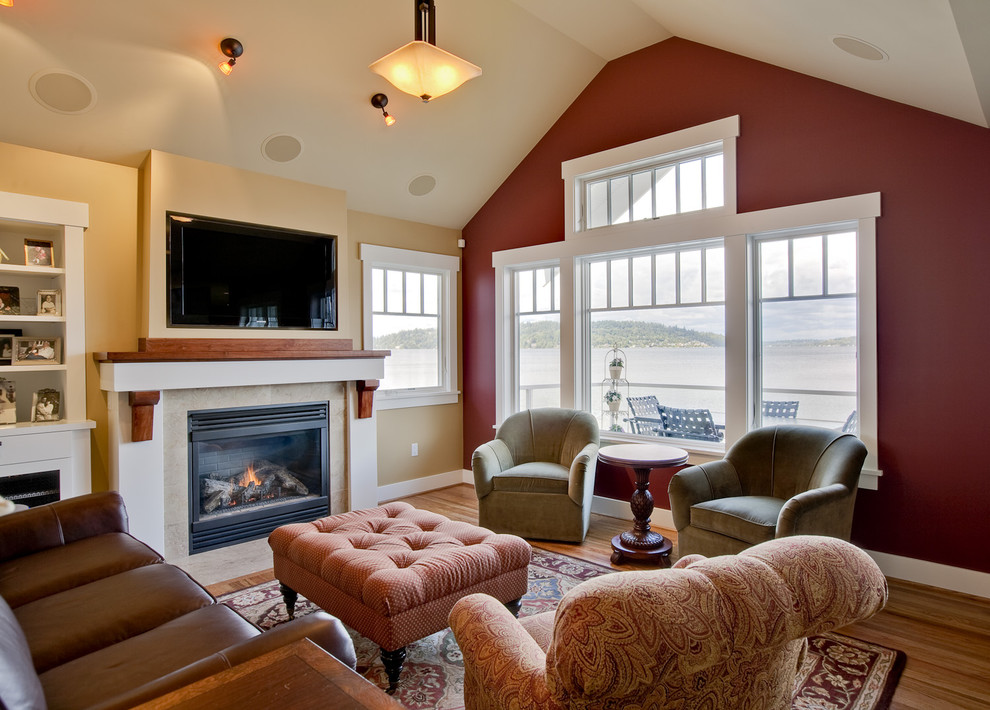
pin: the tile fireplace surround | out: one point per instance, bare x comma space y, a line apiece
150, 393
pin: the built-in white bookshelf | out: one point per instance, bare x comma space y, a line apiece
35, 441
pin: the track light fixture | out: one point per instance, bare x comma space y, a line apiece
231, 49
381, 101
421, 68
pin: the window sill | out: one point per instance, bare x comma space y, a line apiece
403, 400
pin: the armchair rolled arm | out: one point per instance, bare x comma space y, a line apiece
697, 484
487, 460
504, 667
820, 511
581, 477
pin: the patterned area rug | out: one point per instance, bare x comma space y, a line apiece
839, 673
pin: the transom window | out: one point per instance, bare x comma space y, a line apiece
670, 185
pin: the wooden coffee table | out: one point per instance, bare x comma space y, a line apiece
300, 675
642, 543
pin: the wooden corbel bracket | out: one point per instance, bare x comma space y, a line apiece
143, 414
366, 397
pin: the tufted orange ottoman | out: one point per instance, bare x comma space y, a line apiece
393, 573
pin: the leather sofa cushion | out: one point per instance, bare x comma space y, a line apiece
20, 688
535, 477
752, 519
29, 578
85, 619
145, 658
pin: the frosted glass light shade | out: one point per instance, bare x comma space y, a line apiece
424, 70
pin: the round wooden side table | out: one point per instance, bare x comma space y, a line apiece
642, 543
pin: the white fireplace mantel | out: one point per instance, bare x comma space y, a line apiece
137, 468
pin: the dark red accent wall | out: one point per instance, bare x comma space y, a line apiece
803, 140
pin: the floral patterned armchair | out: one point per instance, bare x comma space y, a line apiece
721, 632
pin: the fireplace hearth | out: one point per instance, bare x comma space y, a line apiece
252, 469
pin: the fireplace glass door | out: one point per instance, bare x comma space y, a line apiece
255, 468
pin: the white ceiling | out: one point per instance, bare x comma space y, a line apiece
304, 73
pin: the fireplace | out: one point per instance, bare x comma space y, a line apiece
252, 469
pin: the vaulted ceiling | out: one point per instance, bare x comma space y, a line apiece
130, 76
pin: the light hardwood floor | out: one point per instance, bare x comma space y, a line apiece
945, 635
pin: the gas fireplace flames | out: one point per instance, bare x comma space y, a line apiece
261, 481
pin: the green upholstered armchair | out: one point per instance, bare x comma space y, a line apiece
773, 482
537, 477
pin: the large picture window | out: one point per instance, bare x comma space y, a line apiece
665, 309
726, 321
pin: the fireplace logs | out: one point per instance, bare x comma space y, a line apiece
263, 480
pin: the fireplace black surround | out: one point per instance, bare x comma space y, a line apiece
252, 469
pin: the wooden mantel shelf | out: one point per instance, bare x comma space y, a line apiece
220, 349
174, 350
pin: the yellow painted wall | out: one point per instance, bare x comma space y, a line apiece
126, 239
110, 247
175, 183
436, 429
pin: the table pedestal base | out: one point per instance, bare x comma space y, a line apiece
659, 554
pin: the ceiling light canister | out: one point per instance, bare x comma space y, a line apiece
421, 68
381, 101
231, 49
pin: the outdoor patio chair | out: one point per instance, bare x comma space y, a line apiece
695, 424
780, 410
646, 418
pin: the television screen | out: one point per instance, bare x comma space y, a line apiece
224, 274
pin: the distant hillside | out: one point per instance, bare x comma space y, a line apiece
622, 334
606, 334
546, 334
418, 339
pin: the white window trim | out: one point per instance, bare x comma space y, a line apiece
573, 171
862, 209
447, 266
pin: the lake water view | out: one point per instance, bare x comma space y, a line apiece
664, 372
672, 374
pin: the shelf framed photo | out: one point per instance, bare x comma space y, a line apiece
46, 405
50, 302
8, 402
10, 301
39, 252
37, 351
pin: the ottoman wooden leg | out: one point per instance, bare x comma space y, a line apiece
514, 606
393, 661
290, 596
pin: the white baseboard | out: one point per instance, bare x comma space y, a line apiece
932, 574
420, 485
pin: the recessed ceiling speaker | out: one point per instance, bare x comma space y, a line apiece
859, 48
62, 92
422, 185
281, 148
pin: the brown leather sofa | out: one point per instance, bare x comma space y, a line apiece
91, 617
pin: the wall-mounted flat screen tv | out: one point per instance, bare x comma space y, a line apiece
224, 274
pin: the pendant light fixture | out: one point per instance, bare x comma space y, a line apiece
421, 68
